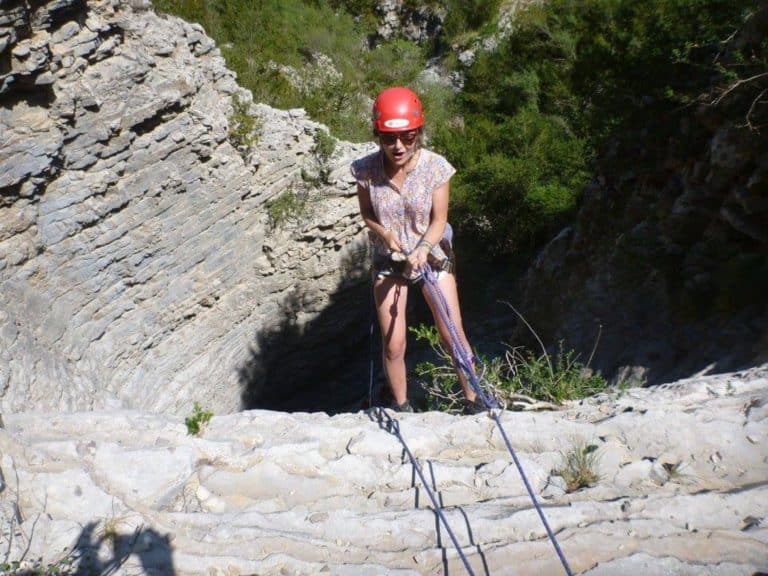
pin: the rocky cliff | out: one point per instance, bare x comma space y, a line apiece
680, 489
665, 270
139, 264
153, 253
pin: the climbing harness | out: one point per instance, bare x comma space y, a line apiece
464, 361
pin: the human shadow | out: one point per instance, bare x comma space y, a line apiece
102, 550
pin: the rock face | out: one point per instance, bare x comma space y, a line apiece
418, 23
139, 265
681, 489
666, 269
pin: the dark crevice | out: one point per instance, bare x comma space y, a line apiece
25, 90
5, 61
319, 366
22, 31
9, 194
52, 20
105, 35
162, 116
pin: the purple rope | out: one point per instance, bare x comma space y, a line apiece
394, 427
463, 359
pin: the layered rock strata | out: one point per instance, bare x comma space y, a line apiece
681, 489
139, 263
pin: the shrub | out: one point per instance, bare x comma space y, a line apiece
242, 126
521, 165
197, 421
520, 378
289, 206
579, 467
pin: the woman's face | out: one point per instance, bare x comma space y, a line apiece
399, 147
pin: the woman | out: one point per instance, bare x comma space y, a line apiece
403, 193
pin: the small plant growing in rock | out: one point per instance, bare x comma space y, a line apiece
679, 472
197, 421
325, 146
65, 566
579, 467
289, 206
242, 126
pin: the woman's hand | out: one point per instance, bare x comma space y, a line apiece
417, 259
391, 241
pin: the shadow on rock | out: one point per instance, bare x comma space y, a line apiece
324, 364
101, 550
319, 364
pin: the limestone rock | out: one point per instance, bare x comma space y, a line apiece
138, 265
272, 493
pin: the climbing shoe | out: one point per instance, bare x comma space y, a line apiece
476, 406
404, 407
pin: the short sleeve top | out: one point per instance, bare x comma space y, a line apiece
406, 212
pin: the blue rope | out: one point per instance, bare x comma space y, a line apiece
393, 426
464, 359
370, 341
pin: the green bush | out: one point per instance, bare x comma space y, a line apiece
242, 126
465, 17
521, 164
197, 420
518, 375
287, 207
552, 377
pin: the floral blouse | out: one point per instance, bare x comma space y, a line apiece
405, 213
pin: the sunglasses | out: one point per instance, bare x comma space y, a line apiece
406, 138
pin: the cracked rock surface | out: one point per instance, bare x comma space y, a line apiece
682, 488
137, 254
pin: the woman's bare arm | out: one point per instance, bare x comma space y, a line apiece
369, 217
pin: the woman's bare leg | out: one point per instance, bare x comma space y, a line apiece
391, 295
447, 285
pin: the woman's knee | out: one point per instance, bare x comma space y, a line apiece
395, 349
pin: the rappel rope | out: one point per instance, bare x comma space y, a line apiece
464, 359
393, 426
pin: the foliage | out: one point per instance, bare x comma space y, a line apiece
575, 81
197, 421
554, 378
242, 126
579, 467
521, 165
465, 19
62, 567
655, 60
279, 47
519, 374
572, 82
325, 145
287, 207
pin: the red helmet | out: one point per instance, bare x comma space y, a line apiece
397, 109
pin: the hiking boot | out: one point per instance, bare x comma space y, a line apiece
404, 407
472, 407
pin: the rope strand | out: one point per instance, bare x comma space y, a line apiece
393, 426
463, 359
